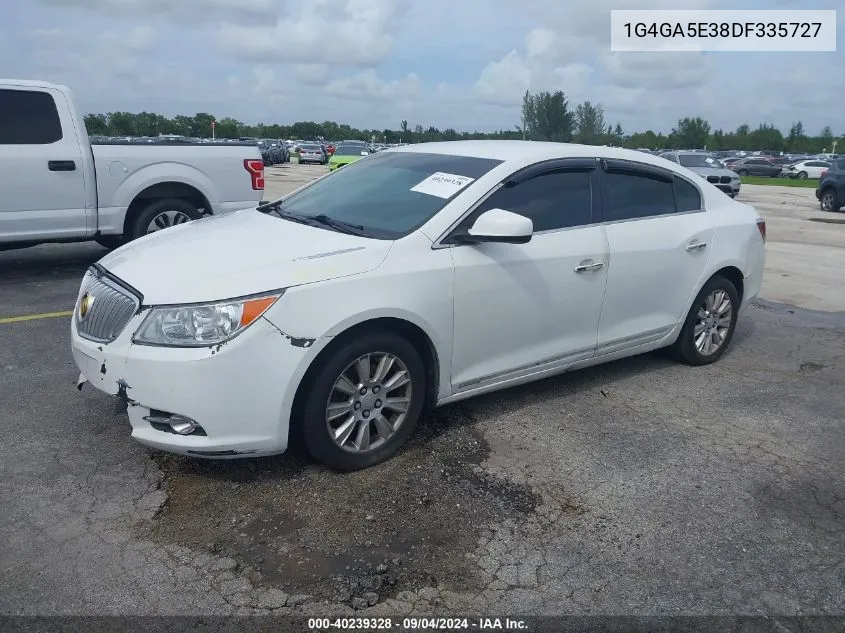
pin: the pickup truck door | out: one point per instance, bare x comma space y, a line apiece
42, 171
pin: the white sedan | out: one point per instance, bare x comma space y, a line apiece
415, 277
806, 169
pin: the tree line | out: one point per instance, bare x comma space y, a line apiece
545, 116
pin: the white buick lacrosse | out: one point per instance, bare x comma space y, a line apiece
416, 277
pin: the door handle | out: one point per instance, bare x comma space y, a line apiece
61, 165
696, 246
587, 267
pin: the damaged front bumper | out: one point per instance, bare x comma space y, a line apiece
240, 392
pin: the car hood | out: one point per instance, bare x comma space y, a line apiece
238, 254
712, 171
344, 158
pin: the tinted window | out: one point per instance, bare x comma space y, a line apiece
350, 150
698, 160
687, 197
28, 118
552, 201
378, 193
634, 194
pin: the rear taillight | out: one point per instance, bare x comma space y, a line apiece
761, 226
824, 173
256, 172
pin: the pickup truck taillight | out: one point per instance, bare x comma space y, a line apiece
761, 226
824, 174
256, 172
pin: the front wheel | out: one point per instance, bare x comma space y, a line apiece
743, 172
802, 175
364, 401
710, 324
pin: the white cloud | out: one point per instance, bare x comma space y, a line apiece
343, 32
375, 62
367, 86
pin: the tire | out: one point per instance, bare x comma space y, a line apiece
685, 348
742, 172
802, 175
829, 201
314, 424
110, 241
184, 212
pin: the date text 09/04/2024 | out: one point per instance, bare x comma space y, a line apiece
412, 624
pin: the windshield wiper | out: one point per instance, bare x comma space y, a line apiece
339, 225
312, 220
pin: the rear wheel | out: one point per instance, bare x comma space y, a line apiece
710, 324
364, 401
162, 214
829, 200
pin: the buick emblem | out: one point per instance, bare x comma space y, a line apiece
85, 305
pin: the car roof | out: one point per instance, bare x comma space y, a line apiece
528, 151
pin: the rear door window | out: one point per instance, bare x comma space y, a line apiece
28, 117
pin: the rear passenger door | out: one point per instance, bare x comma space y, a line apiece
41, 168
659, 239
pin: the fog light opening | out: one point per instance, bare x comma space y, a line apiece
182, 425
173, 423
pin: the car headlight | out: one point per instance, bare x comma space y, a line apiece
201, 324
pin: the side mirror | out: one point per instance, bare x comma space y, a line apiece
498, 225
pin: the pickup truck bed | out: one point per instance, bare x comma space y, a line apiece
58, 187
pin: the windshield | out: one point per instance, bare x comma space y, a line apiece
350, 150
698, 160
378, 193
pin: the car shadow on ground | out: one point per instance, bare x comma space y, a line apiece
48, 262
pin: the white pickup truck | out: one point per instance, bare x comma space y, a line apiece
56, 187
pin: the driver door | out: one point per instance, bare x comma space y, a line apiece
523, 308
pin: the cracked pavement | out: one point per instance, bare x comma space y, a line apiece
638, 487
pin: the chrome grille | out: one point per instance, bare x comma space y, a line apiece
109, 312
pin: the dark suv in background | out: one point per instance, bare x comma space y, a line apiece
831, 189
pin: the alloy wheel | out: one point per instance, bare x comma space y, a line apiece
368, 402
827, 201
713, 322
166, 219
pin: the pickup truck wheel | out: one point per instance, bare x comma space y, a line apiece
162, 214
829, 200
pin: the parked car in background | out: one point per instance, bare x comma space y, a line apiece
708, 167
58, 187
831, 190
755, 166
276, 150
806, 169
583, 254
330, 147
347, 153
313, 153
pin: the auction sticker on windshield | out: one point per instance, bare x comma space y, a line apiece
442, 185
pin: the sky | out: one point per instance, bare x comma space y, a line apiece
461, 64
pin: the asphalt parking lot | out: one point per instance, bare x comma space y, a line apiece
638, 487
